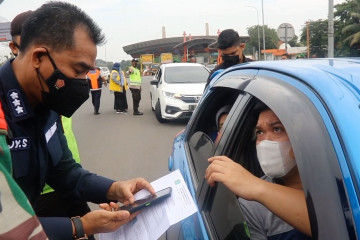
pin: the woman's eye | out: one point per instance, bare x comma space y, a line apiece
277, 129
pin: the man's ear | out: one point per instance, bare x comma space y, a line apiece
37, 56
13, 48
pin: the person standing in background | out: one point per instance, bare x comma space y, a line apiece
232, 52
135, 85
15, 31
118, 84
95, 83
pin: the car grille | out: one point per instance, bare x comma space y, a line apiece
191, 99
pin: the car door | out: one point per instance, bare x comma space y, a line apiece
310, 132
155, 88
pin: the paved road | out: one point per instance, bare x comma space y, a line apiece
124, 146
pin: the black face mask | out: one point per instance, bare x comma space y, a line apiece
65, 94
230, 60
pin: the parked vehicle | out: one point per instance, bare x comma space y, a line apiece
318, 103
211, 66
105, 73
176, 90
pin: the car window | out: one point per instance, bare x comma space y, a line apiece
205, 122
186, 74
158, 74
220, 205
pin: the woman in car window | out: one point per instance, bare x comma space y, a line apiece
274, 206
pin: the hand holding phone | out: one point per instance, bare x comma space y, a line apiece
148, 201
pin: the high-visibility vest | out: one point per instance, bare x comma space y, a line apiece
94, 75
113, 86
135, 76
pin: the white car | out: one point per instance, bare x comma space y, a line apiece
105, 73
176, 90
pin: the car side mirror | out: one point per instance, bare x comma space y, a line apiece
154, 82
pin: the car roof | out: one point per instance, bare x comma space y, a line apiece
182, 65
320, 74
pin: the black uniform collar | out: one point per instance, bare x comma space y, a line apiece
14, 97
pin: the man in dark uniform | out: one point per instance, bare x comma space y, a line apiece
231, 49
48, 78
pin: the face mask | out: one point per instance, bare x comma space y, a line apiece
274, 158
231, 60
65, 94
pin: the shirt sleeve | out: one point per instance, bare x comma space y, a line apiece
252, 212
57, 227
70, 179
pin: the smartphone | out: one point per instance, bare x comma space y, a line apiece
148, 200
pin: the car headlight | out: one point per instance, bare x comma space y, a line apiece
172, 95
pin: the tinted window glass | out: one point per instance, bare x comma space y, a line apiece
205, 121
186, 74
226, 216
223, 209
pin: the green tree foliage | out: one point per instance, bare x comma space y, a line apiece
271, 39
346, 32
318, 37
348, 15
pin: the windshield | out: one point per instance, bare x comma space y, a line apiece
186, 74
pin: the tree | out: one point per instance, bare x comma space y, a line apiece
318, 37
348, 14
346, 35
271, 39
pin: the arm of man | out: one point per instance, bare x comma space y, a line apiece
103, 80
287, 203
98, 221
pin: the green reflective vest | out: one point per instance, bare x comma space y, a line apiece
135, 76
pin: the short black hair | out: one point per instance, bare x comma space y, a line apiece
17, 22
54, 23
228, 38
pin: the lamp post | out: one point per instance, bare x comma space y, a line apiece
258, 29
263, 30
331, 29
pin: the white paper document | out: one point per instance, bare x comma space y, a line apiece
153, 221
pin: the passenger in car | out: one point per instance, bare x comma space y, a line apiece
220, 119
274, 206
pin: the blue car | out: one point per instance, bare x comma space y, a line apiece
318, 102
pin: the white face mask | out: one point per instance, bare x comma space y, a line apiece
274, 158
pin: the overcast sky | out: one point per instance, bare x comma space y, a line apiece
126, 22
